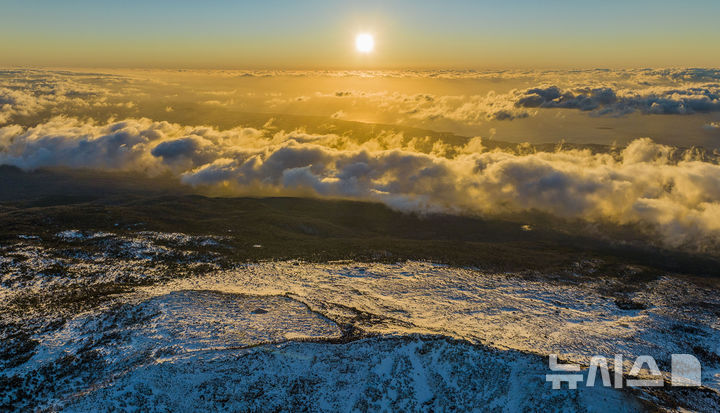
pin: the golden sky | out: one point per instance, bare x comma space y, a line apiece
321, 34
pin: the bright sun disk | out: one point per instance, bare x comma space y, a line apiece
364, 43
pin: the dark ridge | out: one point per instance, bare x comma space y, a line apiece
45, 202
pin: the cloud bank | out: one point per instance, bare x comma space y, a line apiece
675, 194
607, 101
672, 193
489, 96
30, 92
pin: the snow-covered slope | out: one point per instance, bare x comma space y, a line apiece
180, 332
377, 374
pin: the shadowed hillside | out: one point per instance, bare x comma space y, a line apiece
45, 202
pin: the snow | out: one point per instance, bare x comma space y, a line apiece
28, 237
506, 311
335, 337
420, 374
70, 235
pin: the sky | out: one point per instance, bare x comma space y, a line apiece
320, 34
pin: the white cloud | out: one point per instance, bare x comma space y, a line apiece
607, 101
673, 192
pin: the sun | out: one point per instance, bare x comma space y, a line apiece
364, 43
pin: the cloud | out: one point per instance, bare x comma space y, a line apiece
586, 76
14, 102
29, 92
491, 95
606, 101
420, 107
599, 93
674, 193
671, 192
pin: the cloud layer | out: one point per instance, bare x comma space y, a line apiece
607, 101
489, 96
30, 92
675, 194
672, 193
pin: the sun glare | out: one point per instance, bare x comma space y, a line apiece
364, 43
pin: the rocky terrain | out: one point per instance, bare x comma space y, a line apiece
166, 321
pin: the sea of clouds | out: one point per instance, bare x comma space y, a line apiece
674, 193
